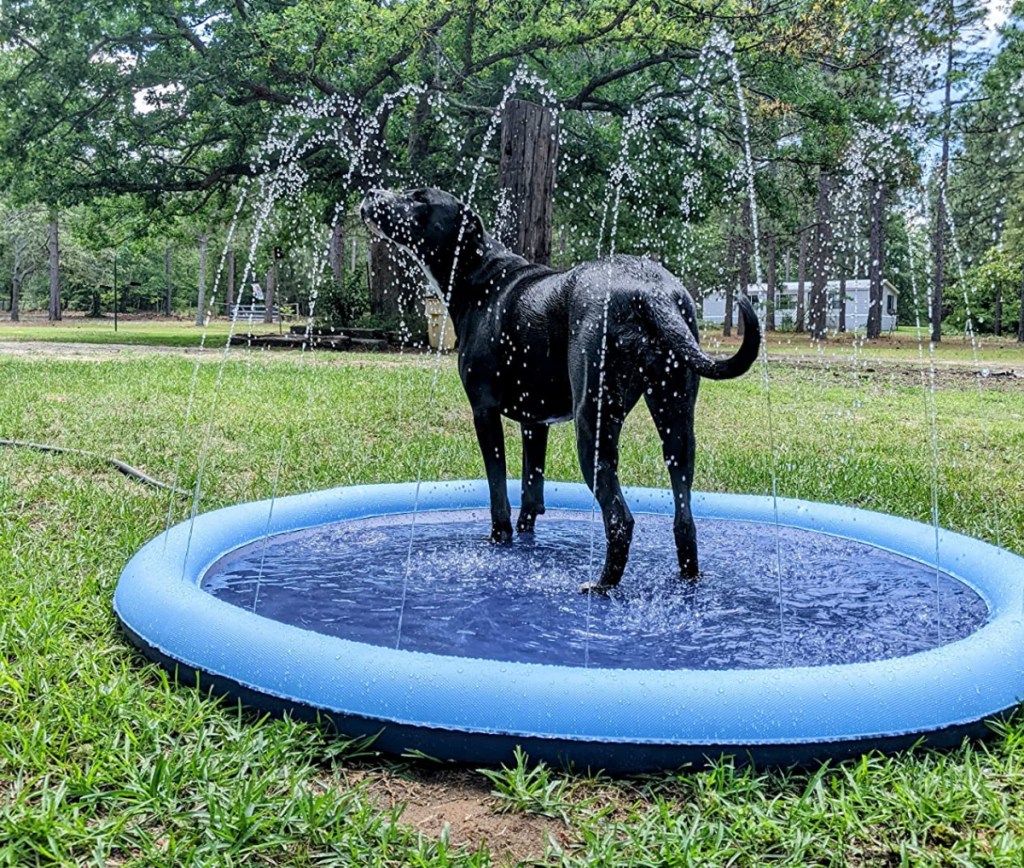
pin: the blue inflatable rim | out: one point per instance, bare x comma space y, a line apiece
477, 710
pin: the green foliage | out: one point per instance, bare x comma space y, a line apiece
994, 282
145, 121
528, 788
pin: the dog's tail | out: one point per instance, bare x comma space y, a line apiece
682, 340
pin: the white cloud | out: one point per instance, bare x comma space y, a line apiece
150, 98
996, 13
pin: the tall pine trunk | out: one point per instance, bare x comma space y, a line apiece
53, 244
842, 302
168, 284
939, 234
229, 287
201, 303
730, 284
801, 280
770, 275
336, 255
271, 291
1020, 318
876, 259
16, 280
822, 258
746, 253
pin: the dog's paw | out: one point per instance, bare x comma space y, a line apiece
501, 533
526, 522
689, 573
595, 588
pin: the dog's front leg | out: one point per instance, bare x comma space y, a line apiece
535, 447
491, 437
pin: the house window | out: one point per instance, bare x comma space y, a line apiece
890, 304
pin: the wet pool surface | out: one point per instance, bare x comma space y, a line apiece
453, 592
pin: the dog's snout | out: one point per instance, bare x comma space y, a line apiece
373, 198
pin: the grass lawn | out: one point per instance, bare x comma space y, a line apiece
105, 761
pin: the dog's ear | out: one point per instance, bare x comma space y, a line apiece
474, 227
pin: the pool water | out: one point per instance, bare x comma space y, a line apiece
440, 586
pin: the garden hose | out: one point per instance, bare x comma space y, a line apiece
126, 469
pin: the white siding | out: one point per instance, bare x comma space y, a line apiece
857, 302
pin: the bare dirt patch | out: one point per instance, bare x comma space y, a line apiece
911, 371
462, 801
902, 373
90, 352
211, 353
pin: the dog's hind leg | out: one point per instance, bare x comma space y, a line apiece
600, 465
535, 446
491, 437
673, 417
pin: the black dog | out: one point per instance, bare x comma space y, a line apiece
540, 347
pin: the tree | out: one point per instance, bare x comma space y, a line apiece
22, 231
300, 105
53, 246
822, 257
958, 20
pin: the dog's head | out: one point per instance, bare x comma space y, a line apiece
438, 230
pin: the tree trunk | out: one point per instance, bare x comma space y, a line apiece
876, 259
396, 286
822, 259
939, 270
730, 285
53, 245
770, 281
229, 290
168, 284
529, 152
801, 280
997, 314
746, 252
939, 236
201, 303
842, 302
336, 255
16, 280
271, 291
1020, 319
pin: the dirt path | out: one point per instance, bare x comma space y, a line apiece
911, 372
211, 353
94, 352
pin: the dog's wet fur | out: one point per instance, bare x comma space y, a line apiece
541, 346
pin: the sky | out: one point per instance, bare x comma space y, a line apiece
997, 13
